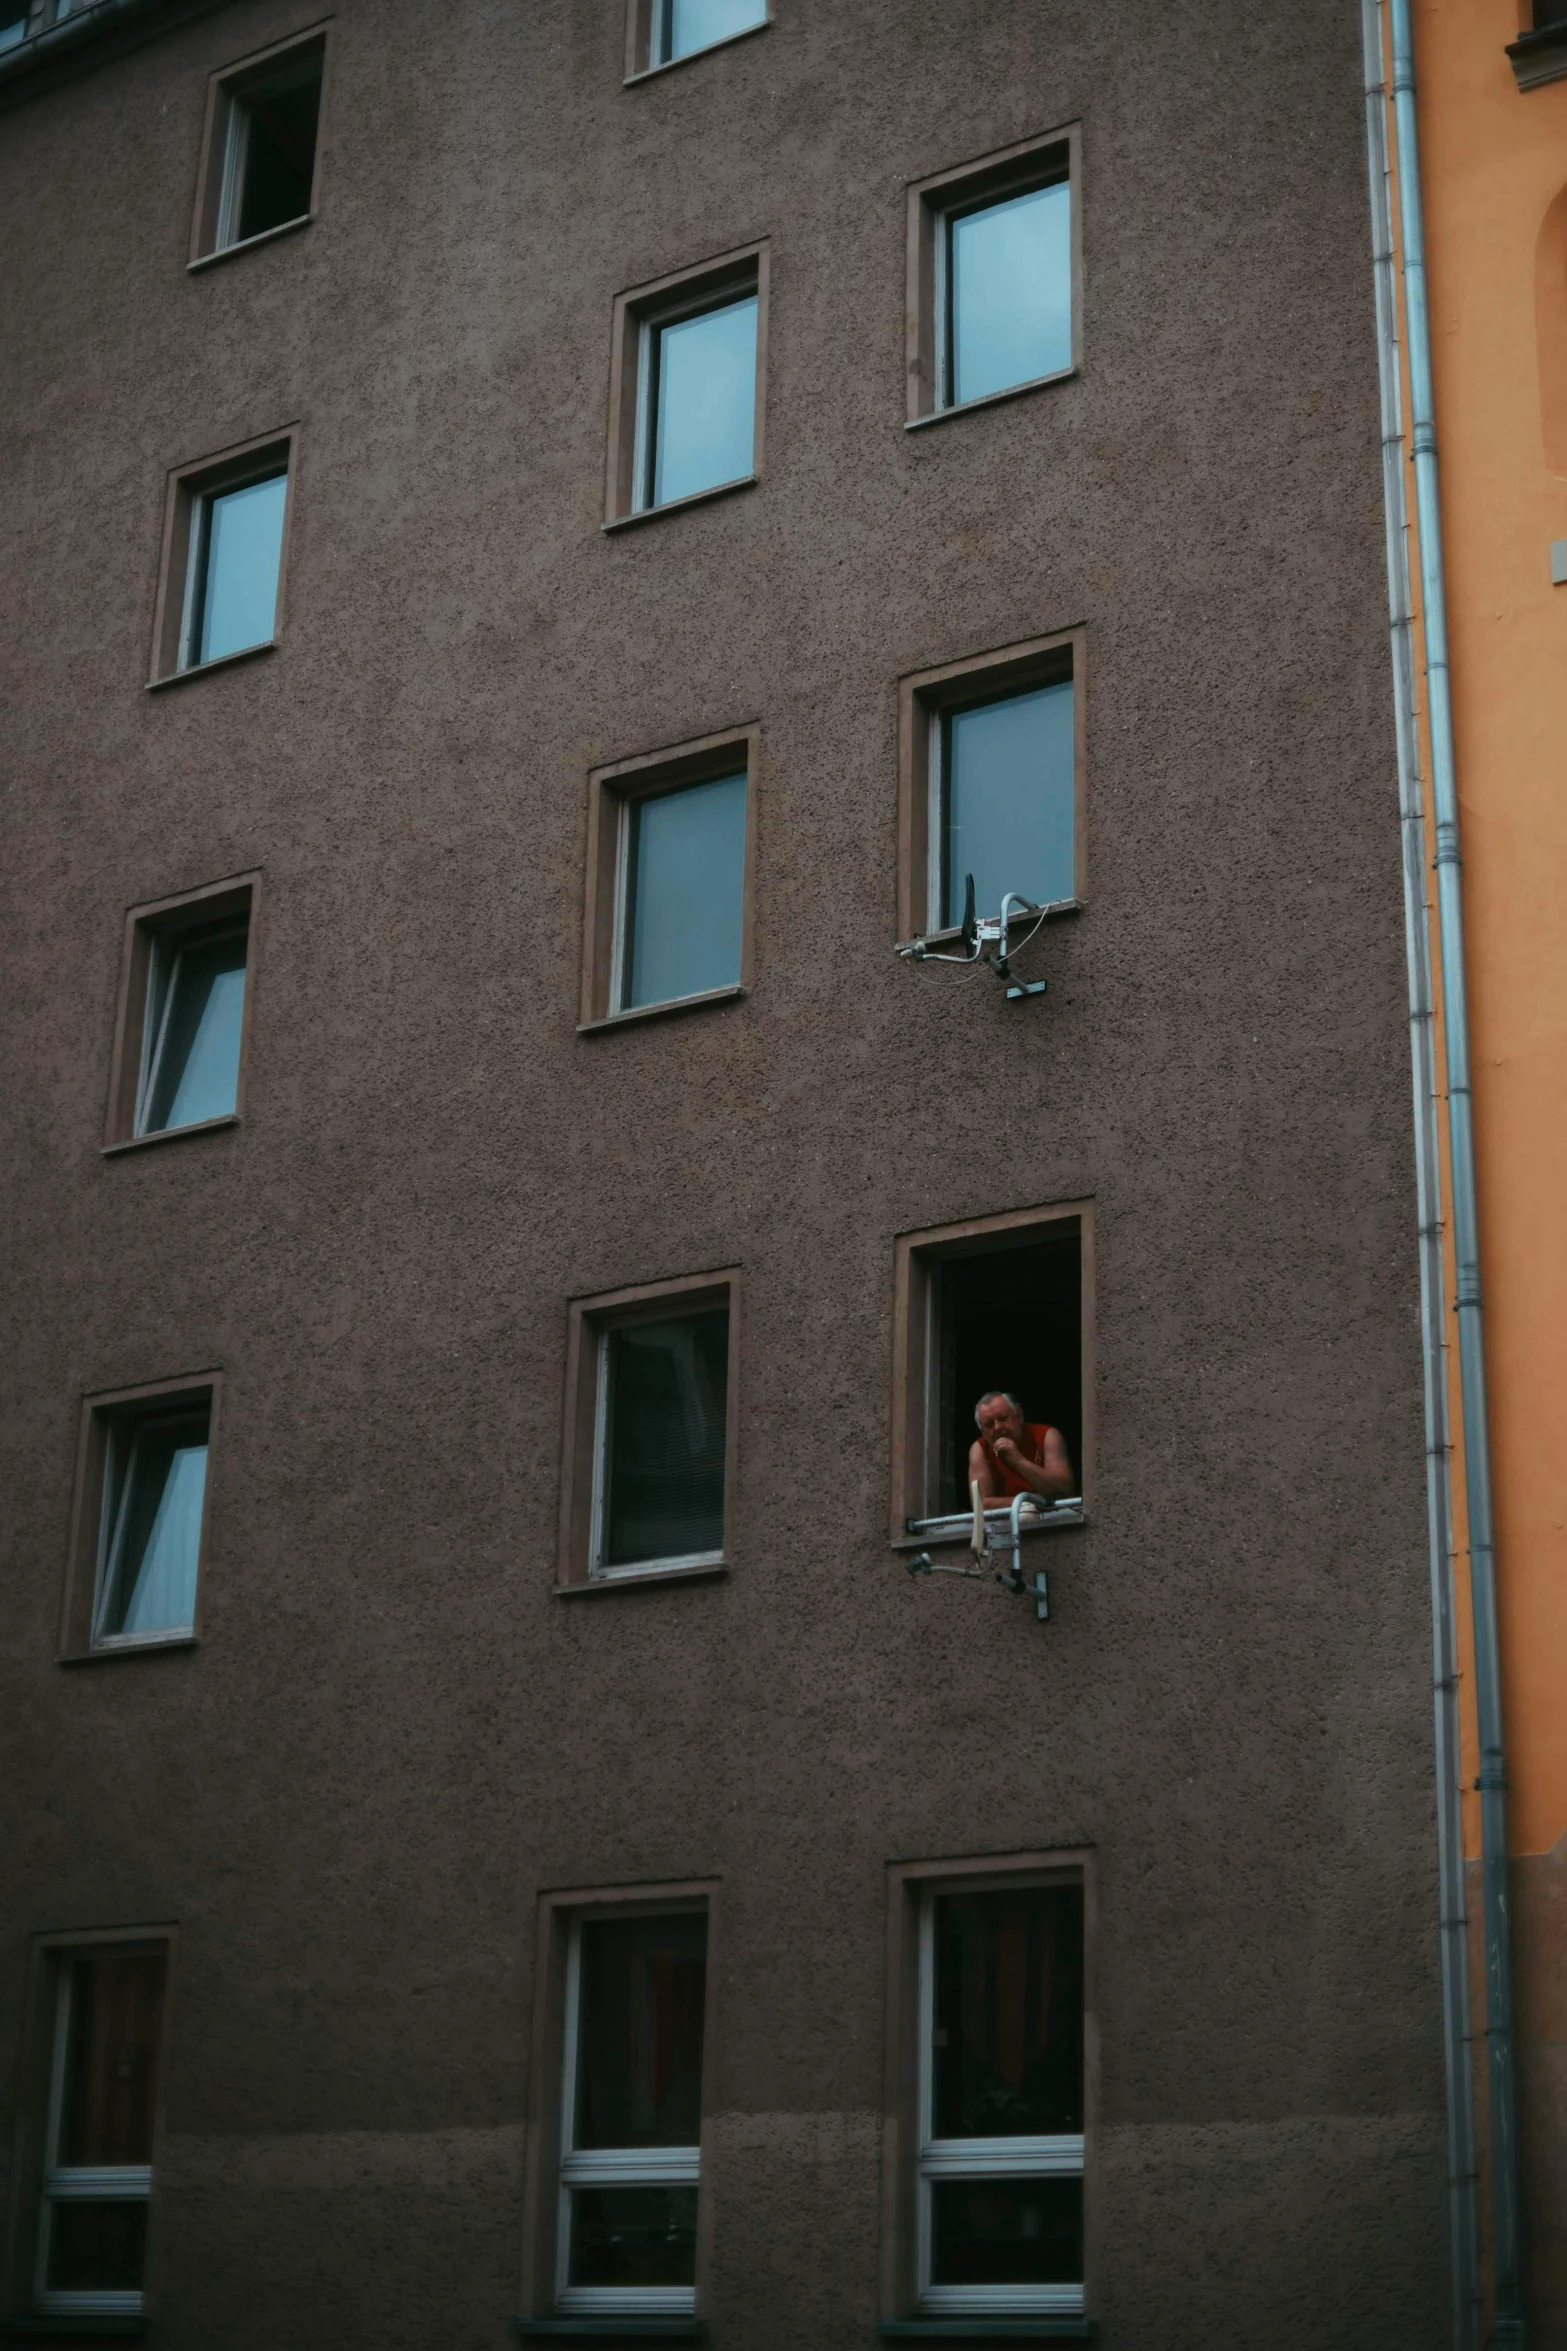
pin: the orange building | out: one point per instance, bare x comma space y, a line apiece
1468, 111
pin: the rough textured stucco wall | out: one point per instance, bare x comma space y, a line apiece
393, 1734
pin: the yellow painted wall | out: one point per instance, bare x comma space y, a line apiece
1495, 178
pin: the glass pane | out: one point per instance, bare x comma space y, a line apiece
696, 24
664, 1439
1010, 801
155, 1529
13, 27
633, 2237
706, 400
1006, 2232
244, 539
1008, 2059
1010, 282
113, 2013
96, 2248
280, 153
685, 869
639, 2032
197, 1066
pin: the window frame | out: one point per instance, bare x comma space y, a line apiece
559, 1912
149, 931
613, 793
49, 1956
191, 491
637, 316
615, 2166
226, 95
912, 1888
925, 698
641, 25
589, 1321
1047, 159
103, 1416
913, 1525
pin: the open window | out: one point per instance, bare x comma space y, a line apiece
999, 1305
220, 594
259, 170
139, 1523
180, 1037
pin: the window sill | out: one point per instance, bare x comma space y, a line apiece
711, 1571
636, 1012
204, 669
626, 522
1539, 57
917, 424
285, 228
200, 1126
1073, 2329
110, 1654
609, 2329
649, 73
921, 1532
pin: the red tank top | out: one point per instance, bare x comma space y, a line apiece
1032, 1447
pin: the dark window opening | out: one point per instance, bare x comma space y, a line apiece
1006, 1316
666, 1386
270, 162
1548, 13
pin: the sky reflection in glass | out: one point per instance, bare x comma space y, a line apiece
1010, 290
244, 540
684, 890
705, 400
1009, 801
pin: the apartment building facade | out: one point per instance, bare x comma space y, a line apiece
599, 593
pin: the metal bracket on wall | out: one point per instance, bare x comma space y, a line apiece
987, 939
986, 1544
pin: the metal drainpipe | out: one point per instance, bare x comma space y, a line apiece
1492, 1783
1453, 1944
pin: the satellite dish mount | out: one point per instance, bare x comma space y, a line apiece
989, 939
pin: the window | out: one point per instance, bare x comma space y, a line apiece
223, 558
182, 1014
13, 23
991, 2091
259, 168
991, 784
667, 918
999, 2218
686, 399
661, 32
106, 2028
140, 1518
993, 277
631, 2114
649, 1434
996, 1305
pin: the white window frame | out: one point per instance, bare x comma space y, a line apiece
104, 2183
649, 327
597, 1568
613, 2167
239, 104
1058, 2156
197, 561
122, 1440
163, 978
945, 369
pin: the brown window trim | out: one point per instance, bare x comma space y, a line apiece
76, 1645
744, 270
1538, 56
557, 1911
907, 1882
588, 1319
1029, 163
212, 899
222, 87
611, 790
914, 1255
45, 1952
922, 696
226, 469
639, 42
